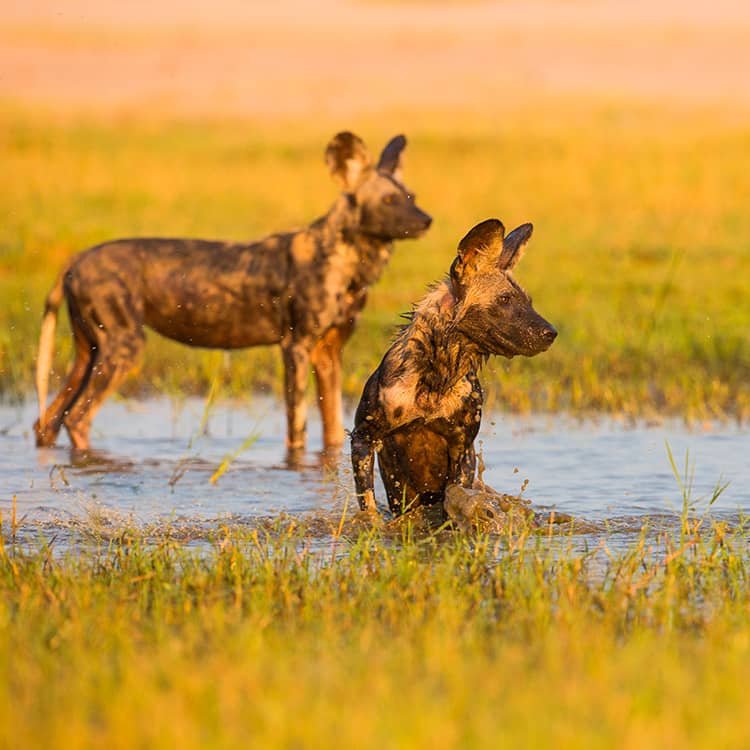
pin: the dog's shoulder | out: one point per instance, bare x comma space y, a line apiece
429, 322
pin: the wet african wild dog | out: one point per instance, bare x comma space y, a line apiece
421, 409
303, 290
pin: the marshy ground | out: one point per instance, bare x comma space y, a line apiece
180, 466
264, 608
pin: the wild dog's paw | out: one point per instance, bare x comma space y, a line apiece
484, 510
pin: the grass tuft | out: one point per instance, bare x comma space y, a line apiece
453, 641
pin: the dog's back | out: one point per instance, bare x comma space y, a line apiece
199, 292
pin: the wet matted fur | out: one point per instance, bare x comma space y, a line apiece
303, 290
421, 409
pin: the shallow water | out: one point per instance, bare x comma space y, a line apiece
154, 461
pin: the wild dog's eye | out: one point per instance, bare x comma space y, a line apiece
389, 200
504, 299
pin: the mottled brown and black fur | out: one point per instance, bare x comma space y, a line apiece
303, 290
421, 409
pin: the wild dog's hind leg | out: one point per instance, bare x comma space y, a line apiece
114, 319
111, 364
47, 429
326, 361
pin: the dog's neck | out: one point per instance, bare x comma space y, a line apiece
341, 225
451, 356
374, 254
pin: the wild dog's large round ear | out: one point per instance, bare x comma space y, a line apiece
514, 245
390, 159
347, 158
480, 248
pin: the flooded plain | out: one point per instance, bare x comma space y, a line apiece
162, 464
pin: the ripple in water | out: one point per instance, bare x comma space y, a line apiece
154, 461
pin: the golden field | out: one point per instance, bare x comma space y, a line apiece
639, 256
622, 131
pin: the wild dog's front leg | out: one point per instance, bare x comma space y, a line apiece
296, 356
326, 361
457, 451
363, 460
368, 430
467, 468
461, 430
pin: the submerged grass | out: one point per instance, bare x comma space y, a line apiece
257, 640
639, 256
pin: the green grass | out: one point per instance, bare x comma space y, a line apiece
409, 642
639, 256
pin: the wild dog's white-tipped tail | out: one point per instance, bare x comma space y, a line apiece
46, 344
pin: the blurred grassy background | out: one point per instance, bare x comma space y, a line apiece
620, 129
640, 254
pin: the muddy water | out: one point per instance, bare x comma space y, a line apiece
155, 460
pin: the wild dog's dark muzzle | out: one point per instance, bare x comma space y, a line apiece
419, 222
545, 336
424, 219
398, 218
549, 334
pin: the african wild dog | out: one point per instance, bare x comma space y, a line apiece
421, 409
303, 290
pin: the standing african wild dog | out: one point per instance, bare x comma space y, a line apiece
303, 290
421, 409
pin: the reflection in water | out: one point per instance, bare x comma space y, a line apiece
326, 459
93, 461
159, 465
